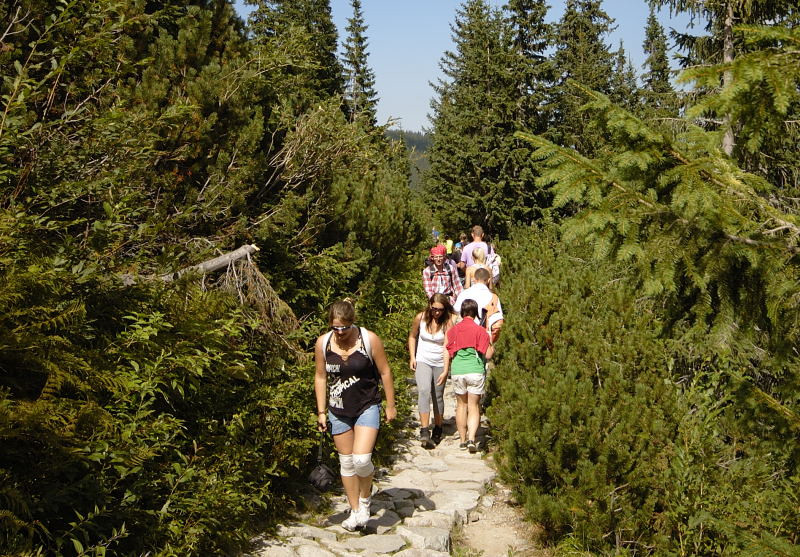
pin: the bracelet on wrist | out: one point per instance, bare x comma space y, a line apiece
322, 412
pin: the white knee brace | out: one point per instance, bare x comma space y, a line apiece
346, 465
363, 464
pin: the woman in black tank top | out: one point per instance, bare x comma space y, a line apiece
350, 362
352, 380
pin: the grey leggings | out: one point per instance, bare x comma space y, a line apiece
426, 377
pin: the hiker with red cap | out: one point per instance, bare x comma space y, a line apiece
441, 276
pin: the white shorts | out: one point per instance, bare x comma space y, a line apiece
472, 383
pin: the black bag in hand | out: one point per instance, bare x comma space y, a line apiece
321, 476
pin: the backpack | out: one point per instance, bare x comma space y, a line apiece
493, 261
447, 264
488, 311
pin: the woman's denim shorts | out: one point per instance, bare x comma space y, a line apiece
371, 417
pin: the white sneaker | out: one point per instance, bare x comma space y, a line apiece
362, 515
363, 510
352, 522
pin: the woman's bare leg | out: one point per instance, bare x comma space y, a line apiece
461, 416
344, 445
473, 415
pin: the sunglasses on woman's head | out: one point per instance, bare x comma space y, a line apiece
340, 329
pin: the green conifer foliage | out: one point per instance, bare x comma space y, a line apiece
678, 188
764, 103
700, 239
581, 405
307, 25
623, 87
136, 139
580, 55
658, 95
360, 95
474, 176
721, 45
622, 439
531, 39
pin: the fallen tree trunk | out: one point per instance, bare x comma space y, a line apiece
204, 268
213, 264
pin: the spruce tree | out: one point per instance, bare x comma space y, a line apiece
359, 93
581, 55
306, 27
531, 39
473, 177
623, 88
722, 42
658, 95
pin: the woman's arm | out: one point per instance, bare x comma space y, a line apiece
413, 334
320, 384
446, 369
468, 276
379, 356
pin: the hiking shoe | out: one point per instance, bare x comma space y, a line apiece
463, 446
354, 521
362, 514
425, 438
472, 447
365, 504
437, 434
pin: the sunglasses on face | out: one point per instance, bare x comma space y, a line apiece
340, 329
434, 308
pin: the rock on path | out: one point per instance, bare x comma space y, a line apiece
415, 506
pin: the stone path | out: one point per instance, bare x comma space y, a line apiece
415, 506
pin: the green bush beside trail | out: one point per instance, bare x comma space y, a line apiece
138, 139
624, 439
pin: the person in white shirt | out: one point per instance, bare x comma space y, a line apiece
490, 311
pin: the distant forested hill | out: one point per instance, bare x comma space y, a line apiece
417, 144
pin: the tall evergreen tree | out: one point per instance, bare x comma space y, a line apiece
306, 28
582, 55
473, 177
658, 95
722, 42
623, 87
531, 39
359, 93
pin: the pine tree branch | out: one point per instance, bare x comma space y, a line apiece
582, 162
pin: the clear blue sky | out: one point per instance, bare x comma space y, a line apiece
408, 37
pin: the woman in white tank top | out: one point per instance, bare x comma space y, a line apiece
426, 357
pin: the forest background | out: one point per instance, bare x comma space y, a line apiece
645, 397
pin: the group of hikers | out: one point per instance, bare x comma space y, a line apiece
453, 337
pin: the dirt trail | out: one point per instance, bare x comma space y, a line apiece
499, 531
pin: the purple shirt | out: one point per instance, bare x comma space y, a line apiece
466, 253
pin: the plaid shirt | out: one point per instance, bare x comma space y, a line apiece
444, 281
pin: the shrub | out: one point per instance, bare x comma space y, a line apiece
623, 438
